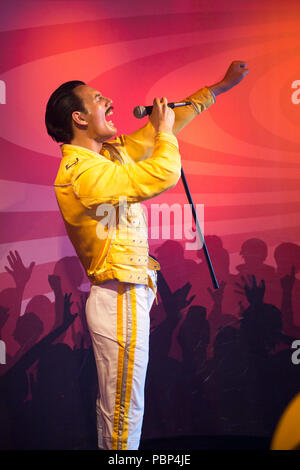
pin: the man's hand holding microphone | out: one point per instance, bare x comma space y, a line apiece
162, 117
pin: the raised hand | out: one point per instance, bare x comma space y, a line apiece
162, 117
68, 317
254, 293
18, 271
179, 297
217, 294
287, 282
235, 73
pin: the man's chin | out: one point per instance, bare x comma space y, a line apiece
108, 135
114, 133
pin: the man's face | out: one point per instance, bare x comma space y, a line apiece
99, 109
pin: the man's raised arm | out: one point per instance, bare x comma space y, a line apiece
139, 144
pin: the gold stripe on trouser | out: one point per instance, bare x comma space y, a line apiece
125, 364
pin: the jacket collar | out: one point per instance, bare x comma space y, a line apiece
68, 149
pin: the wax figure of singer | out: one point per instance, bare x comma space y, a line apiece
97, 174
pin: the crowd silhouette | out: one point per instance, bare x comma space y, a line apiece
219, 360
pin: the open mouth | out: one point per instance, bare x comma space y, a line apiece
109, 112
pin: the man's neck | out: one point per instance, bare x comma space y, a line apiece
88, 143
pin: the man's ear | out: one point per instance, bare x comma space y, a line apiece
79, 119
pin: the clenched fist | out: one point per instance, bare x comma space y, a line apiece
234, 75
162, 117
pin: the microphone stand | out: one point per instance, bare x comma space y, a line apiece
141, 111
208, 260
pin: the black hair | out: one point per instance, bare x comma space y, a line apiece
62, 103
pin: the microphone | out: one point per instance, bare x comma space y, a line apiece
142, 111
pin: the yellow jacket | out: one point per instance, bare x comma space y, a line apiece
88, 184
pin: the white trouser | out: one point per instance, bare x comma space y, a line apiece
119, 323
